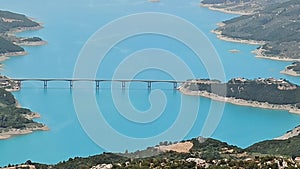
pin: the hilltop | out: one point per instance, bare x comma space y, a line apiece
204, 153
275, 26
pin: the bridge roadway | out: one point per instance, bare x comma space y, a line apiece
97, 81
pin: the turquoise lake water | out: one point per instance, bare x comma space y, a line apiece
69, 24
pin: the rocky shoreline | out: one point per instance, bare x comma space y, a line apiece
8, 133
240, 102
15, 132
281, 48
202, 88
225, 10
8, 54
236, 40
12, 34
20, 120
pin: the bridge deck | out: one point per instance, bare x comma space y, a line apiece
97, 81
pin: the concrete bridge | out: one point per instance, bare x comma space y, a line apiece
96, 81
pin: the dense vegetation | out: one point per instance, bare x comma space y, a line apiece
261, 90
288, 147
12, 117
277, 24
6, 98
33, 39
8, 47
11, 21
295, 67
210, 154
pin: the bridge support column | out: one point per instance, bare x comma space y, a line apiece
149, 85
97, 84
175, 85
123, 84
71, 84
45, 84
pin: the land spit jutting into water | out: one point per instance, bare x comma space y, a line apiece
263, 93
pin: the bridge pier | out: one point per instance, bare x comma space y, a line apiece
97, 84
149, 85
123, 84
71, 84
175, 85
45, 84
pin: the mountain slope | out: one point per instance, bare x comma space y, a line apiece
278, 25
9, 23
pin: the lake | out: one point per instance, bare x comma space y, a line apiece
69, 25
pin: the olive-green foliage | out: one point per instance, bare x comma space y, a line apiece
201, 147
12, 116
7, 46
211, 149
277, 24
288, 147
252, 90
6, 98
19, 20
15, 21
33, 39
295, 67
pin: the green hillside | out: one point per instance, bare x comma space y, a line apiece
10, 21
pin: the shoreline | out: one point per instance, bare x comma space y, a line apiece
236, 40
37, 43
239, 102
9, 54
15, 132
24, 29
33, 115
13, 32
259, 53
294, 132
224, 10
290, 72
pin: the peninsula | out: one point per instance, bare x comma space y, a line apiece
293, 69
274, 25
267, 93
10, 24
15, 120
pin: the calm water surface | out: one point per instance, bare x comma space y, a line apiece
68, 25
